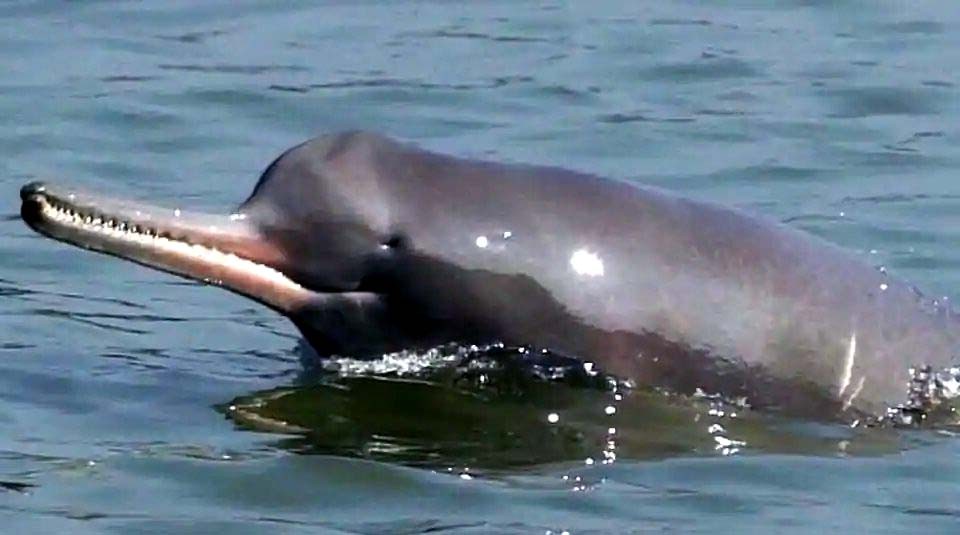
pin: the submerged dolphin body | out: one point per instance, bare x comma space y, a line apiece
369, 245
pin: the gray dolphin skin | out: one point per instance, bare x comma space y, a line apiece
370, 245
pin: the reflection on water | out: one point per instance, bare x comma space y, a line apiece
433, 410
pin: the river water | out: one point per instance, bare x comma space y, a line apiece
116, 382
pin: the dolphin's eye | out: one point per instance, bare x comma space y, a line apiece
395, 241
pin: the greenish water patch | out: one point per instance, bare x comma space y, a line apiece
441, 423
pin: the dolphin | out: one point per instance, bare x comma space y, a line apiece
371, 245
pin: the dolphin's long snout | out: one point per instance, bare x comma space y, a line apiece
218, 250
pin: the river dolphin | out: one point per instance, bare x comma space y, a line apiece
370, 245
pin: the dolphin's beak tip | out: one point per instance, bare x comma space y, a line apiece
31, 189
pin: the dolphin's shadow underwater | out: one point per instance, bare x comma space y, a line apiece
370, 246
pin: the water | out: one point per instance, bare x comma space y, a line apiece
838, 117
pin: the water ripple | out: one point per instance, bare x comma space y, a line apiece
639, 117
395, 83
117, 78
914, 27
464, 34
680, 22
16, 486
232, 69
703, 70
850, 103
193, 37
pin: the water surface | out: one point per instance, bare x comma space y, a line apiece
837, 117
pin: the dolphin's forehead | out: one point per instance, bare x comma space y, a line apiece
331, 179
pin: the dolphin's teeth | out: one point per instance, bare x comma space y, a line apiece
151, 238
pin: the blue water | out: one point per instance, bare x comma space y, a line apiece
840, 118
